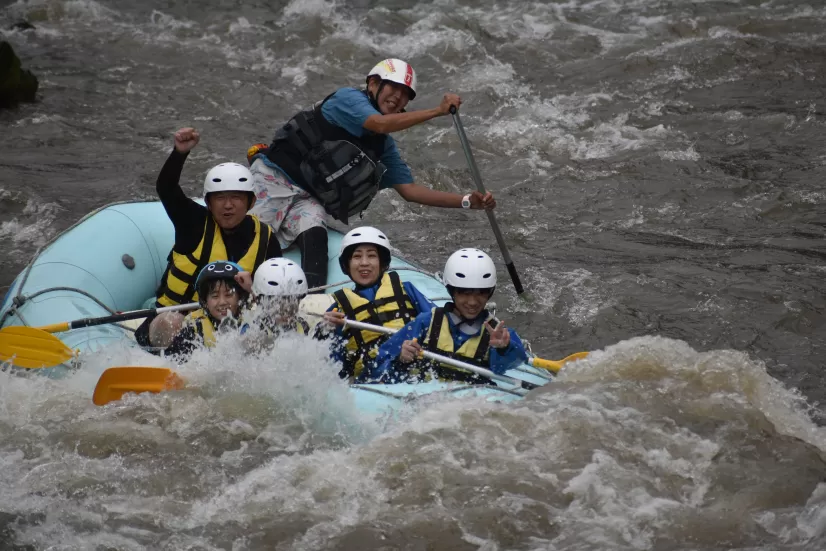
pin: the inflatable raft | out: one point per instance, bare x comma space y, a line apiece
112, 261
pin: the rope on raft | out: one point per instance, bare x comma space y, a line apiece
20, 299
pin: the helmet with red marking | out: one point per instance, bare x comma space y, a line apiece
395, 70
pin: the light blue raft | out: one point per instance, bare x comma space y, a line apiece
112, 261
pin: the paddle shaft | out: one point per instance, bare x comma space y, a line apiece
477, 178
135, 314
447, 360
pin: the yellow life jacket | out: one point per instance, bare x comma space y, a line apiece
297, 324
203, 326
178, 281
391, 308
475, 350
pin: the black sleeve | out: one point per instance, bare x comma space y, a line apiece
273, 247
186, 215
183, 344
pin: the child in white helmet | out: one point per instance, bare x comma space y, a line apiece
379, 298
462, 329
277, 289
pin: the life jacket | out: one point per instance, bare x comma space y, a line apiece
178, 281
338, 168
203, 326
475, 351
297, 324
391, 308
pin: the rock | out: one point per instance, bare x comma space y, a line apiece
21, 26
16, 84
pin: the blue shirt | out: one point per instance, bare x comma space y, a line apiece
420, 302
349, 108
386, 363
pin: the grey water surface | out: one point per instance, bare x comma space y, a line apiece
659, 169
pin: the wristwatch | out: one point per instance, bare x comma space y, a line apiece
466, 201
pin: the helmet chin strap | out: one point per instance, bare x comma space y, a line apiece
374, 100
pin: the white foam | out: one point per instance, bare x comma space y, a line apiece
321, 8
588, 293
34, 227
85, 10
689, 154
165, 21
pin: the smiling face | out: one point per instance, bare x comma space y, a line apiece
221, 300
470, 302
228, 208
365, 265
393, 97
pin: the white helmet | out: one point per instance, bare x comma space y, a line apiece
228, 177
470, 269
360, 236
396, 70
279, 277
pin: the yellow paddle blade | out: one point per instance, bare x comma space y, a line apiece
117, 381
574, 356
32, 348
555, 366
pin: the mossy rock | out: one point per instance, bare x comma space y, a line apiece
16, 84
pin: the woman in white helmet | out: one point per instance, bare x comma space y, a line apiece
335, 157
277, 289
462, 329
221, 230
379, 298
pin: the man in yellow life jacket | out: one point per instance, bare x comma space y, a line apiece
221, 298
221, 230
462, 329
379, 298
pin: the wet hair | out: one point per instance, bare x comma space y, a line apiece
213, 284
451, 290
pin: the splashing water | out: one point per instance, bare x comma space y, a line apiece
639, 446
658, 169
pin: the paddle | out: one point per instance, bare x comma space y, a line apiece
34, 347
447, 360
117, 381
555, 366
474, 171
114, 318
551, 365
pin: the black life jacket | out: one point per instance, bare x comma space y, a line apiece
339, 169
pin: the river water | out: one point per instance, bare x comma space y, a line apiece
659, 168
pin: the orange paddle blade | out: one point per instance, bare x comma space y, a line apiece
117, 381
32, 348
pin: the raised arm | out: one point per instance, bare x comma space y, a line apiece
186, 215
